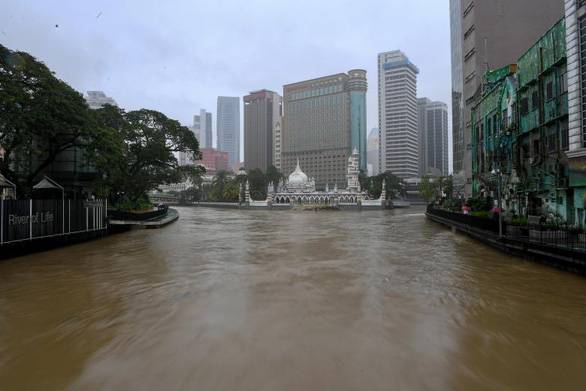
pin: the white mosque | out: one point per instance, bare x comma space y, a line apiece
299, 189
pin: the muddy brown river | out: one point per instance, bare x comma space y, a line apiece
258, 300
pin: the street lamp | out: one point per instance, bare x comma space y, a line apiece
498, 192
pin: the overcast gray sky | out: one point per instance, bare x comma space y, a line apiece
177, 56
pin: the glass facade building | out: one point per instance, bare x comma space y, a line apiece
324, 121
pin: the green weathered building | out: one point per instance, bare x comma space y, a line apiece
520, 129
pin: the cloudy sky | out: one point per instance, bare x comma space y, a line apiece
177, 56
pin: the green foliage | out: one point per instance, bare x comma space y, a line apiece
394, 185
40, 118
273, 176
482, 213
519, 221
138, 204
142, 154
364, 180
427, 189
431, 189
481, 204
258, 184
453, 204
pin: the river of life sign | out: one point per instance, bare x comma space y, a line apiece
37, 218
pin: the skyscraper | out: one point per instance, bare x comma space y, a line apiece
206, 128
262, 113
397, 111
488, 35
228, 127
184, 159
277, 143
324, 121
372, 151
433, 137
97, 100
202, 128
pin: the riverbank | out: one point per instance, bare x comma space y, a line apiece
249, 300
159, 220
562, 257
263, 205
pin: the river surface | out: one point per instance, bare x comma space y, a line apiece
259, 300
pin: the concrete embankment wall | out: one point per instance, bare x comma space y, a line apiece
566, 259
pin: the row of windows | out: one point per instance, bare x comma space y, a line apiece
316, 92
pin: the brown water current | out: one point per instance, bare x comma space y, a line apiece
259, 300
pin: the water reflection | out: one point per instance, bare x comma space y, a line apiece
254, 300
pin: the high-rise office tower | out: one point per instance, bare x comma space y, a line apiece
324, 121
228, 127
206, 129
262, 113
97, 100
421, 133
397, 111
488, 35
433, 137
372, 152
277, 143
202, 127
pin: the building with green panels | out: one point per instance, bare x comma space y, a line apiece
520, 129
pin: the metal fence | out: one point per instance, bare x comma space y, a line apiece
565, 237
484, 223
22, 220
560, 237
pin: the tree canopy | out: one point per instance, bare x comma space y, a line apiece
146, 158
40, 117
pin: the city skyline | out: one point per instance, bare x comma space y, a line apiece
172, 68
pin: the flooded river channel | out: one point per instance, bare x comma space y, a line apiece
260, 300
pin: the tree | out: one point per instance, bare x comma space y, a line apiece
194, 175
427, 189
364, 180
40, 118
218, 186
394, 185
273, 176
149, 143
258, 184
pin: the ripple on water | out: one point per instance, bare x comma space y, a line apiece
254, 300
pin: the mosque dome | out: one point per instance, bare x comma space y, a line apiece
298, 177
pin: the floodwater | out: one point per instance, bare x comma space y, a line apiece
258, 300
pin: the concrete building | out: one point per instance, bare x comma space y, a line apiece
184, 159
202, 128
520, 133
397, 111
228, 127
205, 129
433, 137
324, 121
576, 79
213, 160
277, 143
262, 114
372, 151
488, 35
97, 100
